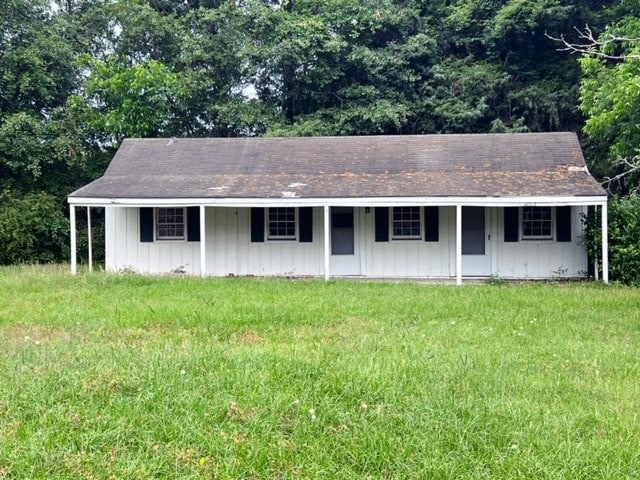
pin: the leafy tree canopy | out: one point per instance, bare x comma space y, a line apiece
130, 100
77, 76
610, 91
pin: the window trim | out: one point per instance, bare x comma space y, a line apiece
405, 238
282, 238
156, 226
552, 224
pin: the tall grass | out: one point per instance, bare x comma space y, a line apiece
105, 376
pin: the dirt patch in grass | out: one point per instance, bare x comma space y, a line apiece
249, 337
35, 334
238, 414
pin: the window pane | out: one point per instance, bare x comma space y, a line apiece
406, 222
536, 222
281, 224
170, 224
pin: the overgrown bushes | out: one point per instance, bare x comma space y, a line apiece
624, 238
32, 229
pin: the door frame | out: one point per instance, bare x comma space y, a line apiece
349, 264
477, 265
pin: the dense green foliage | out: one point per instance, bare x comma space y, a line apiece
610, 95
610, 98
135, 101
24, 236
120, 376
77, 76
624, 232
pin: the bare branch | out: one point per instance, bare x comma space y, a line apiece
630, 167
589, 45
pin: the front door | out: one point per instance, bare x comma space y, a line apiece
475, 242
344, 250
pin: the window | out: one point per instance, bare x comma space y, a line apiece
405, 223
170, 224
281, 223
537, 223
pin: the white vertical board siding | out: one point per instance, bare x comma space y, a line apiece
124, 250
228, 242
110, 238
221, 237
284, 257
543, 258
230, 251
521, 260
407, 258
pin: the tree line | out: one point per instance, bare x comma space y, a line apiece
78, 76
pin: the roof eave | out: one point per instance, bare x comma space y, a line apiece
513, 201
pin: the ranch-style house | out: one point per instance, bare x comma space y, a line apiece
448, 206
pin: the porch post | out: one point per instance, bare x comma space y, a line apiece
605, 244
326, 243
89, 246
203, 243
459, 244
72, 221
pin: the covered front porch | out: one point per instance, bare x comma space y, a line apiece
444, 238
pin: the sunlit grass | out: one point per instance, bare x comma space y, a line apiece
131, 377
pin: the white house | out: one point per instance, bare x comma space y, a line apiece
419, 206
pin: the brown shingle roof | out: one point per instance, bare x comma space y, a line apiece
495, 165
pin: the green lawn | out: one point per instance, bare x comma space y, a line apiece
107, 376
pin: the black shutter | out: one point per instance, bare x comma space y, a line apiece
431, 224
511, 224
382, 224
305, 215
193, 224
563, 224
257, 225
146, 224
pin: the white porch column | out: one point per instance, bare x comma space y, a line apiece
459, 244
605, 244
327, 246
203, 243
89, 246
72, 221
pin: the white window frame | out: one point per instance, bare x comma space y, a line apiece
551, 221
281, 238
168, 238
403, 238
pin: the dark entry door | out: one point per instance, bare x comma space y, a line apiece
342, 231
473, 235
476, 260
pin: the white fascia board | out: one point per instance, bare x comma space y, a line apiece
343, 202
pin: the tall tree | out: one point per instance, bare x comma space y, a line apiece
529, 85
610, 99
40, 141
43, 148
338, 67
76, 76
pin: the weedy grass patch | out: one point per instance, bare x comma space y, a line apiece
107, 376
